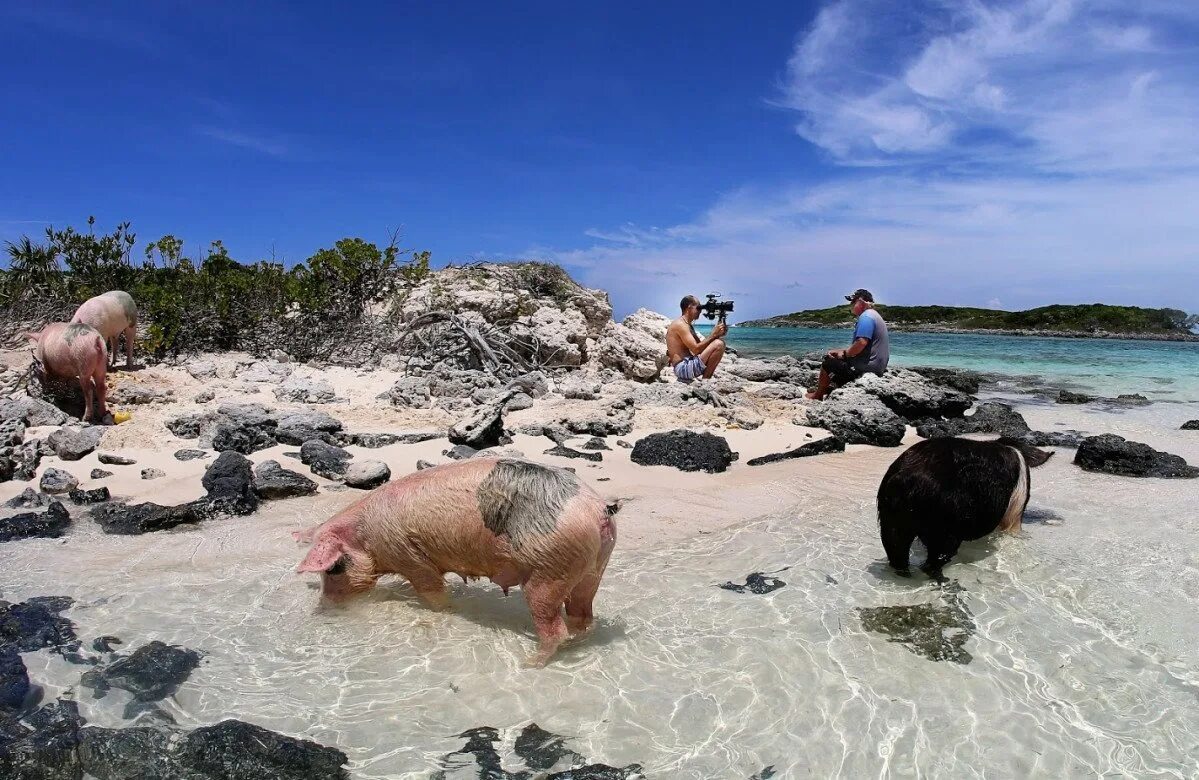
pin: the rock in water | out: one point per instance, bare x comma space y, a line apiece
989, 417
235, 749
1190, 425
325, 460
757, 583
367, 474
57, 481
143, 518
1068, 397
35, 624
14, 684
272, 481
685, 450
50, 524
1113, 454
74, 443
857, 417
818, 447
151, 673
230, 484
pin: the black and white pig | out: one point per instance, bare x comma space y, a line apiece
946, 491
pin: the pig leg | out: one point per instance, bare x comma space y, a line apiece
112, 351
545, 599
579, 614
85, 384
100, 380
130, 332
429, 584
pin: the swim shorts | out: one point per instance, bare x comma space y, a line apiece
840, 370
689, 369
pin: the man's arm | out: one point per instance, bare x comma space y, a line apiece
695, 346
856, 348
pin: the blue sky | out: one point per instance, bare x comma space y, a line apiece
1005, 154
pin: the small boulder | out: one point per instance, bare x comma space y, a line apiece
28, 499
201, 369
596, 443
305, 391
562, 451
324, 459
12, 432
1070, 397
153, 473
484, 428
229, 436
57, 481
684, 450
99, 474
204, 396
460, 452
151, 673
954, 378
50, 524
298, 427
186, 454
33, 412
989, 417
272, 481
93, 496
367, 474
233, 748
519, 402
126, 520
1190, 425
421, 465
580, 388
857, 417
108, 459
74, 443
229, 482
1113, 454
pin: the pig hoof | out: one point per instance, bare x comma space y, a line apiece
578, 626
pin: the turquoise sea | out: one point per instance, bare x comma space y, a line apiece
1161, 370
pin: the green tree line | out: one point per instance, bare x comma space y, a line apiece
207, 302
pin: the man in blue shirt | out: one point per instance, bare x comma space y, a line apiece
870, 351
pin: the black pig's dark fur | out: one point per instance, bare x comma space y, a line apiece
945, 491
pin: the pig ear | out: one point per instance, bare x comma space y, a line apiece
323, 556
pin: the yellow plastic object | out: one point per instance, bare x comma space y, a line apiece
120, 417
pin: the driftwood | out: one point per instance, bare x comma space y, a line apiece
442, 335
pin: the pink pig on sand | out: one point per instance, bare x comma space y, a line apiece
111, 313
513, 521
74, 352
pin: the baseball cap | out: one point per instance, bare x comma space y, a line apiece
860, 293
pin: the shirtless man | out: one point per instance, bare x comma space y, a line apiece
691, 357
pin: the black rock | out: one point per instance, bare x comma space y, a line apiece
1190, 425
126, 520
623, 444
189, 454
325, 460
1133, 399
230, 484
57, 481
684, 450
460, 452
298, 427
100, 474
562, 451
151, 673
153, 473
109, 459
989, 417
93, 496
757, 583
376, 440
23, 461
596, 443
142, 753
818, 447
50, 524
272, 481
1113, 454
103, 644
14, 683
235, 749
1068, 397
1053, 438
955, 378
541, 750
48, 748
188, 426
35, 624
29, 499
230, 436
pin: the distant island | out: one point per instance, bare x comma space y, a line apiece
1093, 320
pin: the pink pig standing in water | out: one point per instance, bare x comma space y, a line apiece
112, 313
74, 352
516, 522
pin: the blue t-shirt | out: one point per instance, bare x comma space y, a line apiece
874, 358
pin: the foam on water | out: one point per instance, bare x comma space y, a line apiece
1079, 641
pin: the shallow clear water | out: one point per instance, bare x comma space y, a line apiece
1163, 370
1078, 639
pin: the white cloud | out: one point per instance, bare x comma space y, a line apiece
270, 146
1032, 152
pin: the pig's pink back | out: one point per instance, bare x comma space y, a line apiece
106, 313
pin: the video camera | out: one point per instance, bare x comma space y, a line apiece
715, 309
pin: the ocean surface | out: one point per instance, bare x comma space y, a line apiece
1162, 370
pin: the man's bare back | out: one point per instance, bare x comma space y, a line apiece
678, 336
